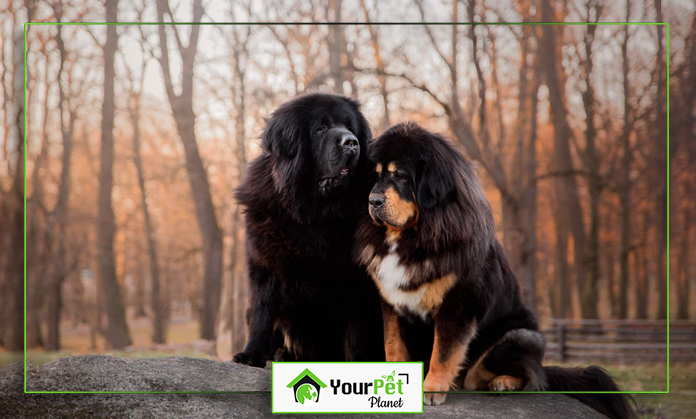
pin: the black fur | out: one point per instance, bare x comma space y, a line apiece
455, 234
592, 378
303, 197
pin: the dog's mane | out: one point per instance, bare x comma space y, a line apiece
463, 218
279, 181
258, 191
458, 229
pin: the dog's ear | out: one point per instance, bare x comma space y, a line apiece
433, 184
281, 137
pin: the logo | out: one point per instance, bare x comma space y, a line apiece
306, 387
347, 387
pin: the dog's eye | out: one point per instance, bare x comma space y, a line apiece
321, 128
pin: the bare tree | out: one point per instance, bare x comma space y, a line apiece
640, 272
37, 240
660, 128
566, 186
589, 293
159, 322
238, 41
13, 336
118, 335
682, 126
57, 223
625, 182
336, 43
386, 122
182, 110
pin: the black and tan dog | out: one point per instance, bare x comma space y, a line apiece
450, 298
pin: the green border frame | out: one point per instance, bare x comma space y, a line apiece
375, 412
27, 24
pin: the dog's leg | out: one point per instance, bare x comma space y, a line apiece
514, 363
477, 376
365, 333
449, 352
260, 318
394, 345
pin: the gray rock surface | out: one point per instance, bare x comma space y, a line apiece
107, 373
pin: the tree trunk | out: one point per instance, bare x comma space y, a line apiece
682, 126
610, 259
683, 278
625, 226
567, 186
238, 283
528, 248
118, 335
35, 274
589, 295
37, 252
182, 110
13, 333
335, 47
158, 319
562, 270
625, 182
58, 218
386, 120
641, 270
661, 131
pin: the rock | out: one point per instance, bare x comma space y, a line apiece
108, 373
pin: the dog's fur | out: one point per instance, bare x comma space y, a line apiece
303, 197
449, 297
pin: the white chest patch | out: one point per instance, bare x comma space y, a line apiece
392, 275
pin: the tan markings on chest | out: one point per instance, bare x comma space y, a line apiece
435, 291
391, 277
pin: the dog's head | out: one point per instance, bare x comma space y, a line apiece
316, 140
422, 181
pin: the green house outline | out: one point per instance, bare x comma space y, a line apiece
309, 373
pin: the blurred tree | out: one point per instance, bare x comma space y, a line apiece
336, 46
381, 77
682, 133
571, 213
660, 128
12, 207
591, 158
118, 335
238, 40
182, 110
58, 218
135, 84
625, 176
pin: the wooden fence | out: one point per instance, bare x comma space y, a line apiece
620, 341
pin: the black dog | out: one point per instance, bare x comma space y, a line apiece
450, 297
303, 198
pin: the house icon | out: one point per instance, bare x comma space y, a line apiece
306, 387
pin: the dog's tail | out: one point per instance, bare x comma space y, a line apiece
592, 378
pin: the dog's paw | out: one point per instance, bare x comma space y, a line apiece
505, 383
433, 399
283, 355
253, 359
433, 383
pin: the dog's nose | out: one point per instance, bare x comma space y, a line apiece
350, 144
376, 201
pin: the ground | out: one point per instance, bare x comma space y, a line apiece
680, 403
